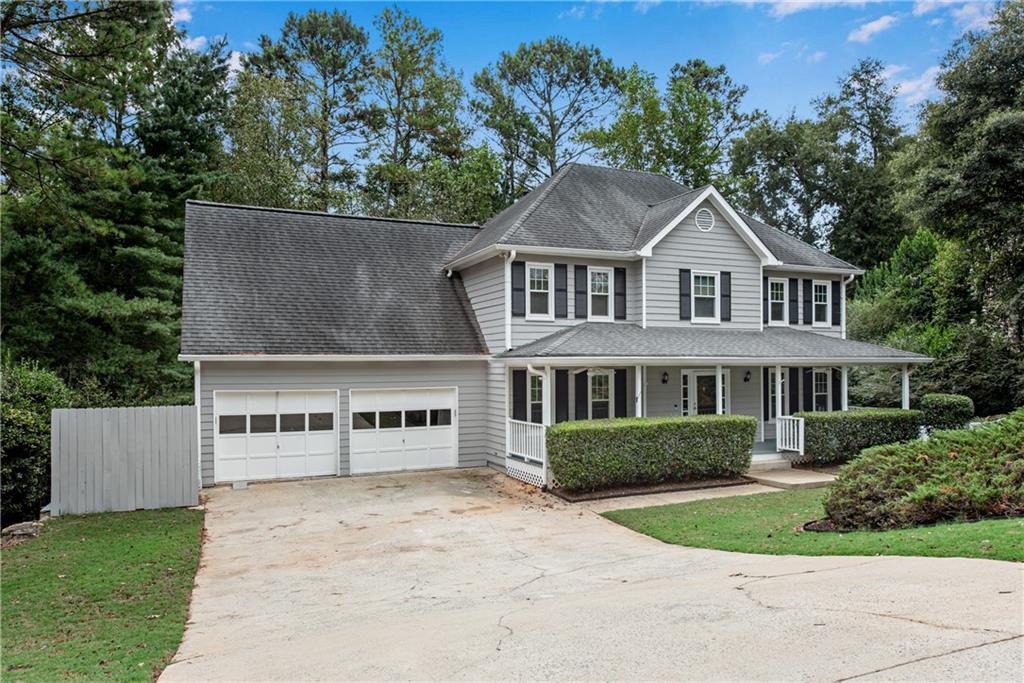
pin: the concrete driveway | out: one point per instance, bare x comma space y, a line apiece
469, 576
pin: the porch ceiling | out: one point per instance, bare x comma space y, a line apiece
630, 343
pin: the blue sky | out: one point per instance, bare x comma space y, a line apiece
787, 52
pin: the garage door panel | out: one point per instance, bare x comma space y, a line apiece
384, 444
321, 402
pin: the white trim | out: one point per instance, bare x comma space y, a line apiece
818, 269
785, 302
335, 357
638, 391
550, 268
905, 388
844, 388
748, 236
643, 293
828, 303
495, 249
760, 299
610, 272
197, 378
693, 297
746, 361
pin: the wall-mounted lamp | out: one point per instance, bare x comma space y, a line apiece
664, 377
746, 376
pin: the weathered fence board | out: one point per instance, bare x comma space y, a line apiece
117, 459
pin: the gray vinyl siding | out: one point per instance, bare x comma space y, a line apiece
721, 249
469, 376
834, 330
525, 331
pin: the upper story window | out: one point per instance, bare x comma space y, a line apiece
822, 309
539, 292
705, 297
777, 301
600, 293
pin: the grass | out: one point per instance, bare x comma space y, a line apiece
769, 523
99, 596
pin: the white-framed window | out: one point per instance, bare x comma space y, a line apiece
540, 291
704, 286
536, 398
777, 302
697, 394
684, 397
600, 293
821, 299
822, 390
600, 395
771, 394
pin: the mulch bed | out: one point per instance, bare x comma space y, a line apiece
820, 525
647, 489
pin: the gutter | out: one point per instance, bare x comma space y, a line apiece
701, 361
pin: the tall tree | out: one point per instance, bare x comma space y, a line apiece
510, 129
325, 55
561, 89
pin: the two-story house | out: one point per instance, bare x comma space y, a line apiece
336, 345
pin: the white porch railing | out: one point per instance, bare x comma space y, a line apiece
526, 457
790, 434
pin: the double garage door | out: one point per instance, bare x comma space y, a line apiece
289, 434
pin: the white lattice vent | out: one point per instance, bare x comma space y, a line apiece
531, 474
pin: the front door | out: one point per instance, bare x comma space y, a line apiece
698, 392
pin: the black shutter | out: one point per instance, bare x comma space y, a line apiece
684, 294
561, 396
808, 305
519, 395
561, 290
582, 406
794, 308
726, 312
837, 400
518, 289
580, 285
620, 293
808, 389
620, 393
764, 299
766, 397
794, 390
836, 315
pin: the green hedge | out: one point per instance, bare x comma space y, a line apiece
596, 454
955, 475
838, 436
947, 411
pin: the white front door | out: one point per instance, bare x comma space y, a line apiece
274, 434
403, 429
698, 392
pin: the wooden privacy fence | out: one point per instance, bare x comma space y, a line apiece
113, 459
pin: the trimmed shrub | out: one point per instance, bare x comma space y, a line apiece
596, 454
958, 475
947, 411
838, 436
29, 394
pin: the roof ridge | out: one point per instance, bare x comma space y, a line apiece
677, 196
306, 212
545, 193
625, 170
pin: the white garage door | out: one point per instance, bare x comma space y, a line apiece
403, 429
275, 434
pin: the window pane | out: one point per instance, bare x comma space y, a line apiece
293, 422
777, 291
415, 418
440, 418
536, 388
703, 308
778, 311
261, 424
324, 422
536, 412
232, 424
599, 410
538, 303
599, 305
539, 279
390, 419
359, 420
599, 283
704, 285
821, 294
599, 388
821, 313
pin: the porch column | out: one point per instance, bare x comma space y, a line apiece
718, 390
548, 408
844, 388
638, 390
778, 395
905, 403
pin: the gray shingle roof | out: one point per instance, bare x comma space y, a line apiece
592, 207
270, 281
609, 340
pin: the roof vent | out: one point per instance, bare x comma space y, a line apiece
705, 220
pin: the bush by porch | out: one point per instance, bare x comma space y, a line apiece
837, 437
590, 455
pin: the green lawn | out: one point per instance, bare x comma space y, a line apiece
99, 596
769, 523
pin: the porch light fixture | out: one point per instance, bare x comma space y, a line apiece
746, 376
664, 377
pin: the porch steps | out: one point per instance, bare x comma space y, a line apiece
789, 478
768, 461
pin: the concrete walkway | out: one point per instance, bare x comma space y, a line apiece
792, 478
470, 576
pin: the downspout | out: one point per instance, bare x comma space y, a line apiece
842, 313
643, 292
509, 257
199, 424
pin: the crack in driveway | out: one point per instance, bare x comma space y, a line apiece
927, 657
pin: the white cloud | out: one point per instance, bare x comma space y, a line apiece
182, 11
574, 12
937, 21
917, 90
816, 57
783, 8
926, 6
892, 70
644, 6
798, 51
974, 16
195, 44
769, 57
864, 33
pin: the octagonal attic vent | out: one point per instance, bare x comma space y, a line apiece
705, 219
